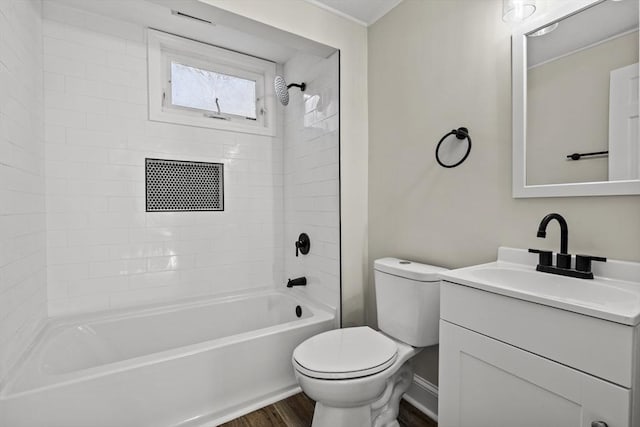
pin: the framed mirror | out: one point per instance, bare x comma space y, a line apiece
575, 101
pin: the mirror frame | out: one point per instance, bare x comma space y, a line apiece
519, 109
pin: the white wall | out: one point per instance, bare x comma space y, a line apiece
306, 20
434, 66
311, 171
23, 290
105, 251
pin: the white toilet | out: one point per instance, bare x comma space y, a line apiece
358, 375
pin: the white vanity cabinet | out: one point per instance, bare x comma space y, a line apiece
486, 382
512, 360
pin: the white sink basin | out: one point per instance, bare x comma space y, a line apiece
615, 298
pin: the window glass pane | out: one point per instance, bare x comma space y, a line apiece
197, 88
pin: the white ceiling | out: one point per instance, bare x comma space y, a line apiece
237, 33
364, 12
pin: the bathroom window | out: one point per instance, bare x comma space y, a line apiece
222, 94
197, 84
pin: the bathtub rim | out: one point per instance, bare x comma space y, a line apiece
320, 313
140, 310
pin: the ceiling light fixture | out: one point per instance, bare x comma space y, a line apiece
517, 10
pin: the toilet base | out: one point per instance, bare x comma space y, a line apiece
382, 412
325, 416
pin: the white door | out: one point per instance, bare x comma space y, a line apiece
487, 383
624, 155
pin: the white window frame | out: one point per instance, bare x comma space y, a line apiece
164, 48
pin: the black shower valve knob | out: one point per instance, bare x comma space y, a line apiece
303, 244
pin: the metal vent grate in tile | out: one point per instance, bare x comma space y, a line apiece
175, 185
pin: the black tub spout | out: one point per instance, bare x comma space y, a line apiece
298, 281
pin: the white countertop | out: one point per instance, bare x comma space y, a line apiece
614, 293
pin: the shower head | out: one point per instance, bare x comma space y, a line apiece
282, 89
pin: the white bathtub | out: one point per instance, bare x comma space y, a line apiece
192, 364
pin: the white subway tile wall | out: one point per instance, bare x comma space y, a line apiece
74, 93
104, 250
311, 175
23, 291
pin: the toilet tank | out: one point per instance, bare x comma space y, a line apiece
408, 300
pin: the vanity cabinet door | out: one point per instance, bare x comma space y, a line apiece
487, 383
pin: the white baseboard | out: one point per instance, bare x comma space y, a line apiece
424, 396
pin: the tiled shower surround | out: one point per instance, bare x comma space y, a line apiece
311, 180
23, 291
105, 251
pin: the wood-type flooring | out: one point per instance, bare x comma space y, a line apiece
297, 411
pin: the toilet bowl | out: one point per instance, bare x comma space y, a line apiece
357, 376
361, 384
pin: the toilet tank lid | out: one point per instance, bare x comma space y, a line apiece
409, 269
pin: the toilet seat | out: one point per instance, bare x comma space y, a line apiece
345, 354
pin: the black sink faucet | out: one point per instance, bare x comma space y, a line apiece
564, 230
563, 258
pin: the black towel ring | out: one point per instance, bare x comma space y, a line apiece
460, 133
